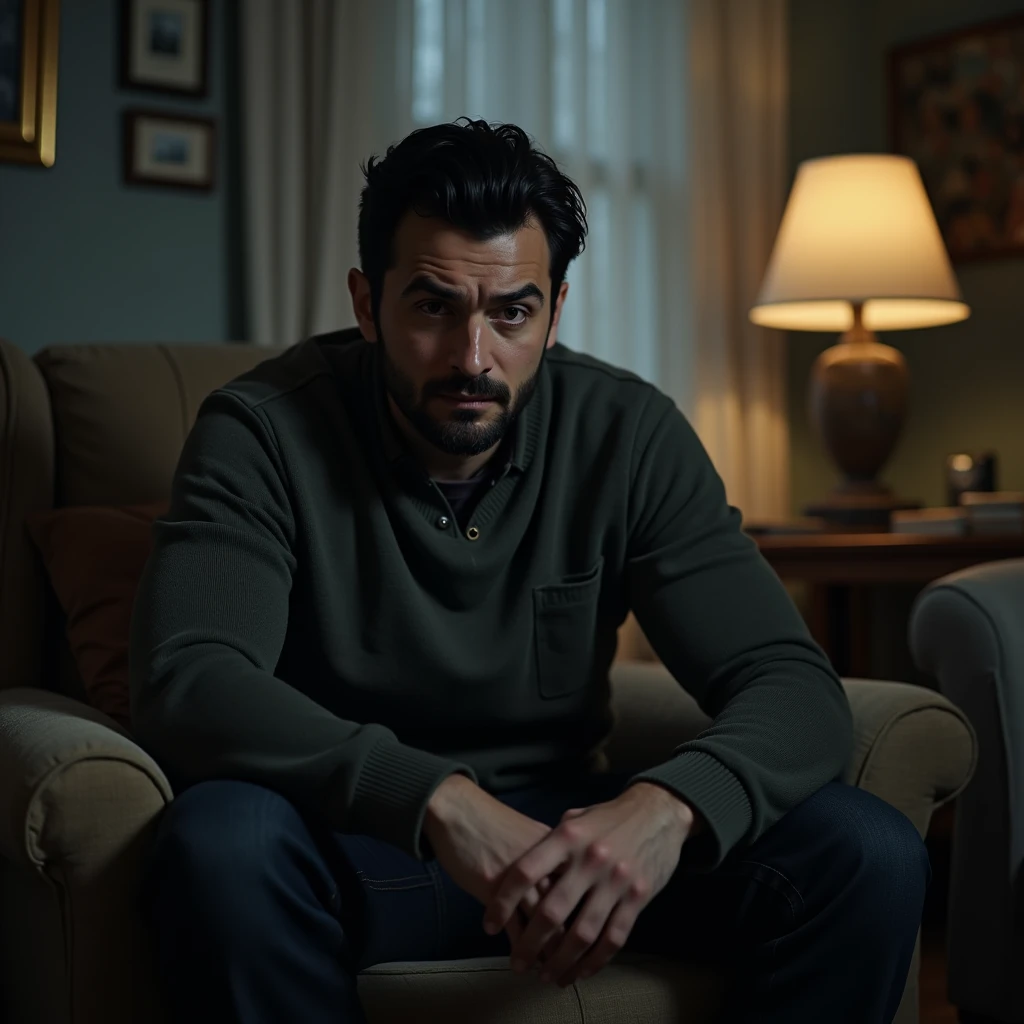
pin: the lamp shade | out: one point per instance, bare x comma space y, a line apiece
858, 229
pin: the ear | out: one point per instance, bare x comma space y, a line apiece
553, 331
359, 288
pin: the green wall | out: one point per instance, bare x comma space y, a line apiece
967, 380
84, 257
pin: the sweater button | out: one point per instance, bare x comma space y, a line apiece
442, 523
472, 533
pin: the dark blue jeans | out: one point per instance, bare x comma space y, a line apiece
260, 915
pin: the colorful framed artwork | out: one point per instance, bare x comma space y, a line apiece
29, 34
169, 150
165, 46
957, 108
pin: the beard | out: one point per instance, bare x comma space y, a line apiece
465, 431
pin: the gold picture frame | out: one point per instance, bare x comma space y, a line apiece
30, 136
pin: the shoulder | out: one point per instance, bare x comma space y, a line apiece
293, 372
590, 390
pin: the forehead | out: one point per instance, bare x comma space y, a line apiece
433, 246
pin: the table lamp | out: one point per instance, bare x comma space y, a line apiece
858, 250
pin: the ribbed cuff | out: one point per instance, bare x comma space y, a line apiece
393, 790
715, 793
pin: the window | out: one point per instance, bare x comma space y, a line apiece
578, 75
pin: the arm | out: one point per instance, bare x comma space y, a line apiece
208, 627
723, 624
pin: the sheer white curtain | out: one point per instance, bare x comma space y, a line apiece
738, 97
609, 88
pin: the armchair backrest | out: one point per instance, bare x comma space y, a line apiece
97, 424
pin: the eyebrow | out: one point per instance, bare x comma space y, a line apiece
423, 283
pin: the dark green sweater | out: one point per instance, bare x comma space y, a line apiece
313, 619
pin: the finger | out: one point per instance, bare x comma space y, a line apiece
524, 874
587, 928
543, 887
612, 939
528, 904
573, 812
518, 921
549, 950
558, 904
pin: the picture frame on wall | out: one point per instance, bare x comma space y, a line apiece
29, 48
169, 150
956, 107
165, 46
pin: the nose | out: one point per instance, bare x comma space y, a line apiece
470, 352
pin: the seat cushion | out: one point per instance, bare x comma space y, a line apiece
94, 556
633, 989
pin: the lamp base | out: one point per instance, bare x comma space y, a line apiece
857, 399
861, 505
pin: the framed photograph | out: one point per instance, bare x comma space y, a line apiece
164, 149
957, 108
28, 80
165, 45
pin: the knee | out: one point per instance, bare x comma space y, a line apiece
218, 846
879, 849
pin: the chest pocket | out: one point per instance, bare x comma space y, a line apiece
565, 629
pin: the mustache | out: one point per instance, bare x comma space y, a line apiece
472, 387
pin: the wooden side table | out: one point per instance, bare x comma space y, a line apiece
840, 567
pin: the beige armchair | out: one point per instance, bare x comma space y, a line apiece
103, 424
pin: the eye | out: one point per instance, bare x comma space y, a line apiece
432, 302
514, 311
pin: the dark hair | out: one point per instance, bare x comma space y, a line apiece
485, 179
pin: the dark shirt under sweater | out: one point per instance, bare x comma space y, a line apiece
312, 621
463, 495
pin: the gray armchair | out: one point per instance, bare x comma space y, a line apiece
967, 630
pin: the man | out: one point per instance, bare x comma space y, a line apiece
371, 648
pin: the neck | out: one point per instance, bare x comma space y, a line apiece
439, 465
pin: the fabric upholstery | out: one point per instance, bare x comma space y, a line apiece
632, 990
967, 630
26, 488
911, 747
121, 413
78, 804
94, 556
42, 737
102, 425
87, 425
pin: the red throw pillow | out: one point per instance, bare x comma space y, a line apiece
94, 556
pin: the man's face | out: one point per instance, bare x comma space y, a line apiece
463, 326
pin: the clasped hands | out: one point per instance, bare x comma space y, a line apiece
600, 866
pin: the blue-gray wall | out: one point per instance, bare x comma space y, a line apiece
967, 380
84, 257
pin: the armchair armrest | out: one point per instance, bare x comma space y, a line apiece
62, 764
78, 802
912, 747
967, 630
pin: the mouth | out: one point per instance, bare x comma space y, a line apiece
467, 401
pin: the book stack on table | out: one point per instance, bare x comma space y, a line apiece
936, 522
994, 511
981, 513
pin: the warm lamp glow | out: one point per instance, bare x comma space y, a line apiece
858, 229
